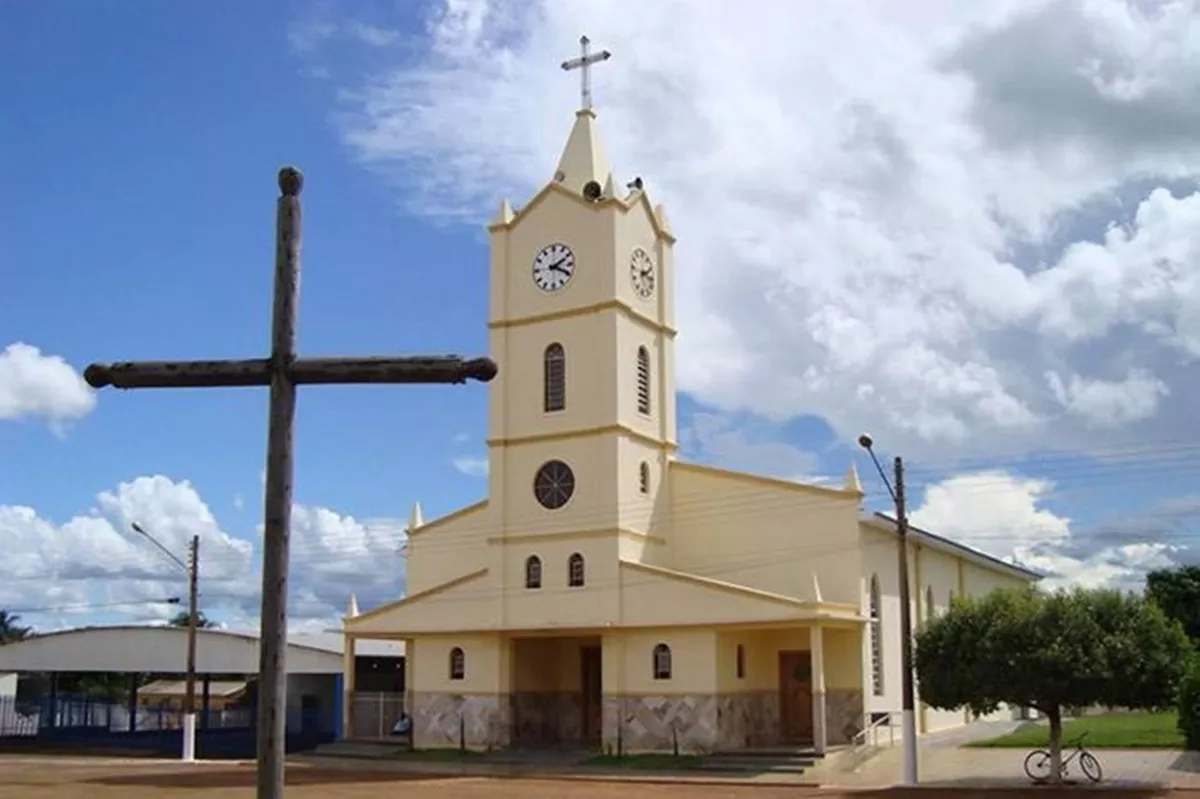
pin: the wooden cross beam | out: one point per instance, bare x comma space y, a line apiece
283, 371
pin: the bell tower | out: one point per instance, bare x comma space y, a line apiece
581, 320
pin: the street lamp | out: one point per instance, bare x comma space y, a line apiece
909, 718
192, 567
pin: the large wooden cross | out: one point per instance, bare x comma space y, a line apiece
283, 371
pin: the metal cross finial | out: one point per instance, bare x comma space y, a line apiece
584, 65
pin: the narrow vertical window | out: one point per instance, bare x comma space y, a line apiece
741, 661
643, 380
533, 572
458, 664
662, 662
575, 571
644, 478
554, 363
876, 634
928, 602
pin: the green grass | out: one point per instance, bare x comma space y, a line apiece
1108, 731
646, 762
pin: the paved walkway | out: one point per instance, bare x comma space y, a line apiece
950, 765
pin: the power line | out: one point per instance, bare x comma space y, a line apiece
171, 600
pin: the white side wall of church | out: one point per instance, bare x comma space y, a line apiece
930, 571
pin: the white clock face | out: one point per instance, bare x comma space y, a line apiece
553, 267
641, 273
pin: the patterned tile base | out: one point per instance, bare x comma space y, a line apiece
843, 715
475, 721
546, 718
748, 720
694, 723
661, 723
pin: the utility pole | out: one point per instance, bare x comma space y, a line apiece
907, 699
906, 653
189, 699
192, 567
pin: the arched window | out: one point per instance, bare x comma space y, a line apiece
662, 662
741, 661
575, 571
876, 634
928, 602
458, 664
554, 364
644, 477
643, 380
533, 572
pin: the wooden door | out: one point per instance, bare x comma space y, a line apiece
589, 681
795, 697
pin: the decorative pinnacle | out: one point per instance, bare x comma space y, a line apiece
290, 181
98, 375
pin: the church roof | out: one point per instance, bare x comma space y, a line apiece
886, 523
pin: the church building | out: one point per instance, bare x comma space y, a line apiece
607, 594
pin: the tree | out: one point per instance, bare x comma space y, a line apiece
1026, 648
9, 629
1177, 592
180, 619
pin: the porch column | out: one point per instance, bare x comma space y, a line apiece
348, 667
816, 645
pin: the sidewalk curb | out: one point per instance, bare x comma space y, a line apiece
573, 774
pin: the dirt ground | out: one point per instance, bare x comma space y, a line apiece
66, 777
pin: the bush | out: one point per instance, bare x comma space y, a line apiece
1189, 705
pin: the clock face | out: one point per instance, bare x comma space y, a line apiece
553, 267
641, 273
554, 484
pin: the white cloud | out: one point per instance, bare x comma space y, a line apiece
721, 441
1106, 403
33, 384
473, 467
1006, 516
882, 211
95, 559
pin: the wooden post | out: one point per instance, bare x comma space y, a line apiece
277, 506
283, 372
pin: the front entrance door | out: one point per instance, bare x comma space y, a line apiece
589, 681
795, 697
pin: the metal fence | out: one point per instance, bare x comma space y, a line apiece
26, 718
374, 714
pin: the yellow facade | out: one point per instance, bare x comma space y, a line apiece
653, 603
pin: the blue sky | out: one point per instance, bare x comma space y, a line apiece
137, 215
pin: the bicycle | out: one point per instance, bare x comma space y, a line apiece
1037, 762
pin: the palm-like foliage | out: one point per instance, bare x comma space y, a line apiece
10, 630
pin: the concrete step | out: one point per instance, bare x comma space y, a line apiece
769, 753
755, 766
364, 749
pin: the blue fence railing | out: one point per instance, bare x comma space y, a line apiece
88, 721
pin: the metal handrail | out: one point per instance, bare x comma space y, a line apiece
873, 729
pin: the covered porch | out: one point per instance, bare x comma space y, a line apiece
786, 686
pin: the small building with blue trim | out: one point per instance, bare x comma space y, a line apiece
120, 687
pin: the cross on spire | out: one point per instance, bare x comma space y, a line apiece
584, 65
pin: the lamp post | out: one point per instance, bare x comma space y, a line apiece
909, 718
192, 567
